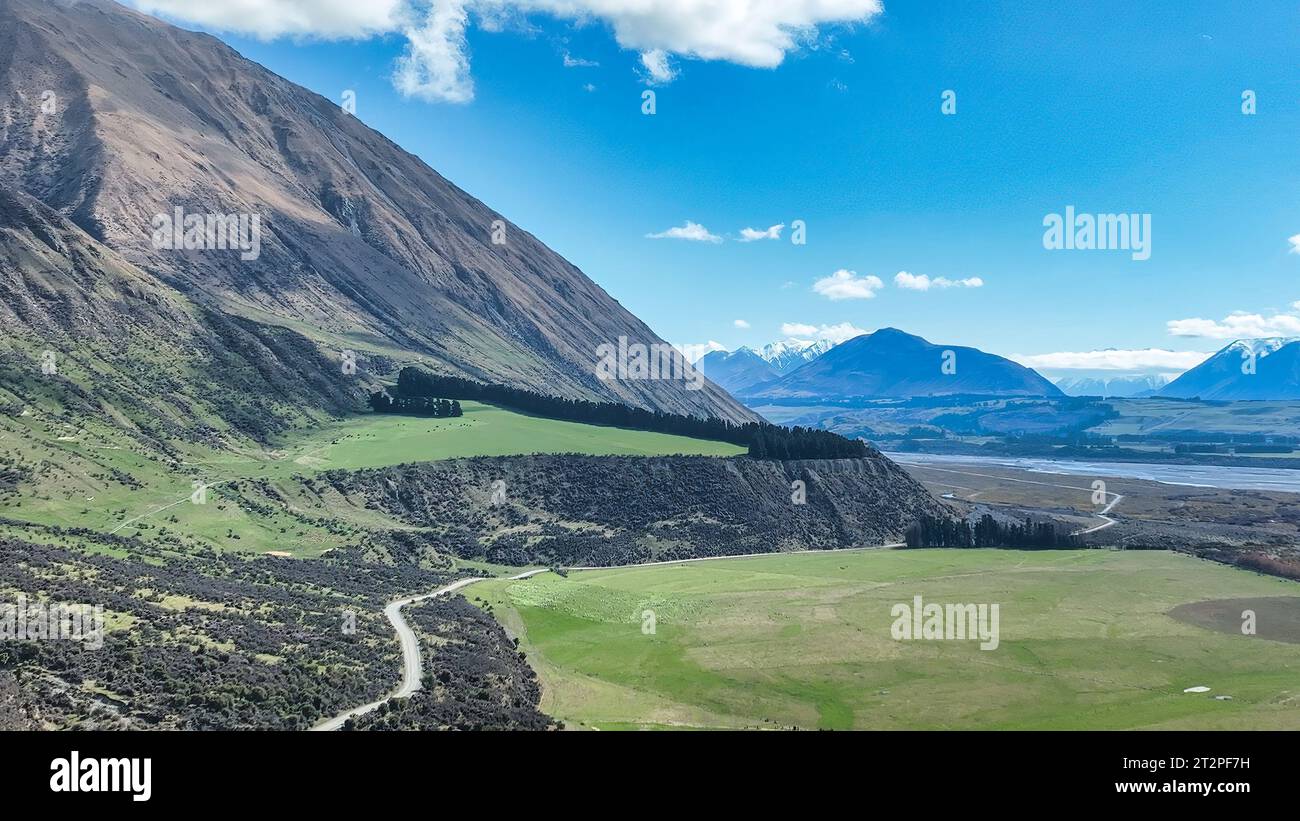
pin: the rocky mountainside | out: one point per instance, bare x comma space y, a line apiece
890, 363
582, 511
88, 334
111, 119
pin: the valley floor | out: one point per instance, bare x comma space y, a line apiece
1091, 639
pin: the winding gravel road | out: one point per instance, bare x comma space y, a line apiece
412, 663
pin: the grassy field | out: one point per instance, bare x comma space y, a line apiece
804, 641
92, 477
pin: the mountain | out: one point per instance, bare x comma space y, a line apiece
112, 121
1222, 376
1119, 385
124, 347
891, 363
736, 370
788, 354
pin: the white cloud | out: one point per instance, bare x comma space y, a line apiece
692, 231
436, 63
694, 351
754, 234
577, 62
1114, 360
740, 323
589, 87
1237, 325
1295, 243
833, 333
845, 284
922, 282
656, 64
754, 33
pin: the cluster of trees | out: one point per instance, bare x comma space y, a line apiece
932, 531
381, 402
764, 440
772, 442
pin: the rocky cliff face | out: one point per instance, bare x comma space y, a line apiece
580, 511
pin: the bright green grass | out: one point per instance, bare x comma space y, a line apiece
804, 640
484, 430
74, 488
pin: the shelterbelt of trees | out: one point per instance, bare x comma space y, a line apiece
933, 531
381, 402
764, 440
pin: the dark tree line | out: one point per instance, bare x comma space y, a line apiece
764, 440
381, 402
930, 531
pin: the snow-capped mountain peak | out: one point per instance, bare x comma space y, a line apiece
788, 354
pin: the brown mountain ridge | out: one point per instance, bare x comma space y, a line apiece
109, 118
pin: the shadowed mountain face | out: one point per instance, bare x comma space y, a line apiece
737, 370
890, 363
1245, 369
111, 118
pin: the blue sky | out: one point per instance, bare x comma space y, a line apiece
1110, 107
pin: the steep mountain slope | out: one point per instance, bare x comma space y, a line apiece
112, 118
85, 333
891, 363
736, 370
1222, 376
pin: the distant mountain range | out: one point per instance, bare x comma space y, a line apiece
1117, 385
892, 364
744, 368
1229, 373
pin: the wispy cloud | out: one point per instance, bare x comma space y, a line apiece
832, 333
657, 66
1239, 325
694, 351
740, 323
691, 231
577, 62
1295, 243
1111, 359
845, 284
922, 282
755, 234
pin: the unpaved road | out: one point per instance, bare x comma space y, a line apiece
412, 663
1106, 520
